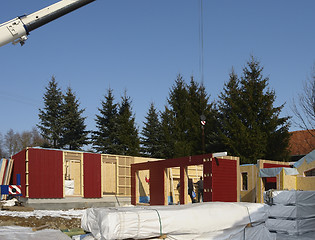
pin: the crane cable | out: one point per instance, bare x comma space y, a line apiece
201, 56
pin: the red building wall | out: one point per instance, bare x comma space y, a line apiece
45, 173
92, 175
19, 168
224, 179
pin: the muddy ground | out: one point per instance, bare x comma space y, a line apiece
44, 222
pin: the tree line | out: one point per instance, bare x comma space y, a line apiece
243, 121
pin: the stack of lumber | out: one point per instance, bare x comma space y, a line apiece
6, 166
291, 214
211, 220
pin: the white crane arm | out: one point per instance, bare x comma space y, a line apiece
17, 29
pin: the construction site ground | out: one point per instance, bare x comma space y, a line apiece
40, 219
40, 223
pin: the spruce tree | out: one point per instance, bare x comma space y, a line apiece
200, 107
167, 138
181, 123
151, 134
105, 139
180, 112
51, 115
128, 139
74, 134
250, 125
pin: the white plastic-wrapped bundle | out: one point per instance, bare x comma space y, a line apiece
292, 211
293, 197
145, 222
259, 232
292, 214
292, 227
69, 187
304, 236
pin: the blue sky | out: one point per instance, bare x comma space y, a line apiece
141, 46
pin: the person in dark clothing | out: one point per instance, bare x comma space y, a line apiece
200, 189
191, 189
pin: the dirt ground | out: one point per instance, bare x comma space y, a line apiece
44, 222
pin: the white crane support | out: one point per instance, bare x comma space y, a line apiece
17, 29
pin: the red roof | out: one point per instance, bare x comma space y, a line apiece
302, 142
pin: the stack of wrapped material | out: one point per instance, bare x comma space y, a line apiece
291, 214
214, 220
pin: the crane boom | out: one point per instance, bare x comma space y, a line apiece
17, 29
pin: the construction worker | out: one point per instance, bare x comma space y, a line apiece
200, 189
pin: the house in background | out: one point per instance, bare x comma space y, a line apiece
301, 143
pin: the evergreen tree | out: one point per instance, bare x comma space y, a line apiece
105, 139
181, 125
74, 134
180, 110
51, 116
128, 139
250, 125
167, 138
151, 132
200, 107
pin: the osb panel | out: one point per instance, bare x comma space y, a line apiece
75, 174
72, 155
306, 183
288, 182
109, 178
144, 186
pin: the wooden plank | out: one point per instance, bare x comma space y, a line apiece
3, 165
9, 172
75, 174
109, 178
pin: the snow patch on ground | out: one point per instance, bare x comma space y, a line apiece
41, 213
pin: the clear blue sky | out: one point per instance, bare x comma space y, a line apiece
141, 46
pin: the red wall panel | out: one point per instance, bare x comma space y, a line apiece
224, 180
157, 186
92, 175
45, 173
19, 168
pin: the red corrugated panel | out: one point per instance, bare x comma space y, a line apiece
92, 175
273, 165
45, 173
224, 180
19, 168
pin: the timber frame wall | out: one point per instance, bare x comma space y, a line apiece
44, 172
221, 178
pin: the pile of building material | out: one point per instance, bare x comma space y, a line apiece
291, 214
211, 220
